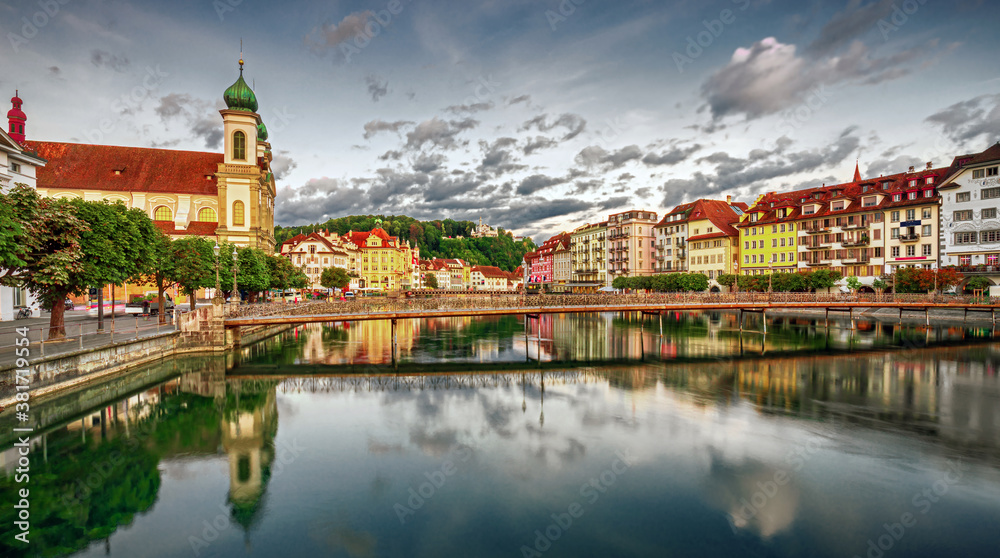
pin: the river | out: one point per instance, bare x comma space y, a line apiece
578, 435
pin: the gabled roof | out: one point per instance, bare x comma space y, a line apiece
491, 271
79, 166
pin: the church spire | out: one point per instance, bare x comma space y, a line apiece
857, 173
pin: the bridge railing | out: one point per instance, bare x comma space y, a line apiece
529, 302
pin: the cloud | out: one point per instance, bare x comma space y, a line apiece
573, 123
439, 133
102, 58
968, 121
331, 35
526, 99
377, 87
854, 21
196, 115
595, 155
470, 108
282, 164
375, 126
539, 142
537, 182
770, 76
758, 171
428, 162
498, 157
672, 156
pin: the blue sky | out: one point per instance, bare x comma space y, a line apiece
535, 115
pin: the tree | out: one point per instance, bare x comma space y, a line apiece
694, 281
823, 279
284, 275
726, 280
334, 278
620, 282
194, 265
159, 268
252, 275
854, 284
948, 277
880, 285
50, 250
431, 281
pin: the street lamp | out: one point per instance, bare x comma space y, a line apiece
236, 267
217, 299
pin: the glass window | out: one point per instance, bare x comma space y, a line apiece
895, 217
926, 213
925, 230
895, 251
163, 213
238, 213
990, 213
963, 215
978, 173
208, 215
963, 196
239, 146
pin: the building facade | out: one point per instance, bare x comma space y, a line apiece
970, 228
631, 243
588, 257
227, 196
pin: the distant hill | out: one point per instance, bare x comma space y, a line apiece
436, 239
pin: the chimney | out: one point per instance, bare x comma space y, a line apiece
729, 200
929, 165
911, 169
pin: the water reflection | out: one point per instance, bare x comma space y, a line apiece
772, 455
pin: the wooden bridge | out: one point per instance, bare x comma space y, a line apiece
533, 306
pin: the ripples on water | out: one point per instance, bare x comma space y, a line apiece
596, 436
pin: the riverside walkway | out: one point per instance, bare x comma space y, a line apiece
534, 305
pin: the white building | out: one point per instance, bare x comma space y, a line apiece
970, 228
17, 166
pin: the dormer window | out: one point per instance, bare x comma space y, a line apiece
870, 201
929, 180
913, 183
837, 205
911, 195
929, 193
864, 189
897, 197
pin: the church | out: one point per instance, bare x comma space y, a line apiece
226, 196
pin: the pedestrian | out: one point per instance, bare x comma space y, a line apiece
145, 309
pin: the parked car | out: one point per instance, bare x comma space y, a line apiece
349, 294
150, 304
118, 308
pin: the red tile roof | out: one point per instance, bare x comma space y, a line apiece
491, 271
78, 166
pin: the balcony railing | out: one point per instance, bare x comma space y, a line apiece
854, 226
856, 242
680, 254
976, 269
913, 237
818, 229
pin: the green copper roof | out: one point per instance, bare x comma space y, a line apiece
239, 96
261, 132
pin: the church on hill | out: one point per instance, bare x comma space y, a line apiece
226, 196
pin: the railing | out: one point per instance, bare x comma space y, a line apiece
857, 242
815, 230
854, 226
79, 335
516, 300
913, 237
975, 269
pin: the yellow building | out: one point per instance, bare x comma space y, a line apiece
699, 237
386, 264
227, 196
767, 242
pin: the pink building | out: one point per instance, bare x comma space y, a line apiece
630, 243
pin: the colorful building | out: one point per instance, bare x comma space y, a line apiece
970, 227
589, 257
631, 243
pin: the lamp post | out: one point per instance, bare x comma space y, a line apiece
235, 299
217, 299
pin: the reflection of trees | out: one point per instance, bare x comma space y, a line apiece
84, 491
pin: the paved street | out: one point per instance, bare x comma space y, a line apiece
77, 322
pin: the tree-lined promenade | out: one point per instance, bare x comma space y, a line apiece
57, 247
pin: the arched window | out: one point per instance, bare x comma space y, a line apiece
238, 213
208, 215
239, 146
163, 213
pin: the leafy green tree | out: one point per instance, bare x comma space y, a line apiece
823, 279
697, 282
431, 281
252, 275
284, 275
620, 282
726, 280
159, 268
854, 284
193, 266
880, 285
978, 283
334, 278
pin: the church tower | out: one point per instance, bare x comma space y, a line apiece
246, 183
16, 119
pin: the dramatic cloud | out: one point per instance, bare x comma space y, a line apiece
855, 21
197, 115
573, 123
282, 164
537, 182
376, 126
101, 58
771, 76
377, 87
498, 157
439, 133
428, 162
537, 143
672, 156
598, 156
968, 121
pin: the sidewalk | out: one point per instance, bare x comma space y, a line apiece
125, 328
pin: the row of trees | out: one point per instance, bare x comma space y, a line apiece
57, 248
792, 282
436, 239
665, 282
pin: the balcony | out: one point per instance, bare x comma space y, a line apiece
863, 241
976, 269
820, 262
911, 237
854, 226
818, 246
819, 229
680, 254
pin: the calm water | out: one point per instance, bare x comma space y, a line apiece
617, 442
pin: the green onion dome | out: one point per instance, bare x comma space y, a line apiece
239, 96
261, 132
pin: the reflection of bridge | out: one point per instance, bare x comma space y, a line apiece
532, 306
421, 382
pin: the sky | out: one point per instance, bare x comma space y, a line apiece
536, 116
